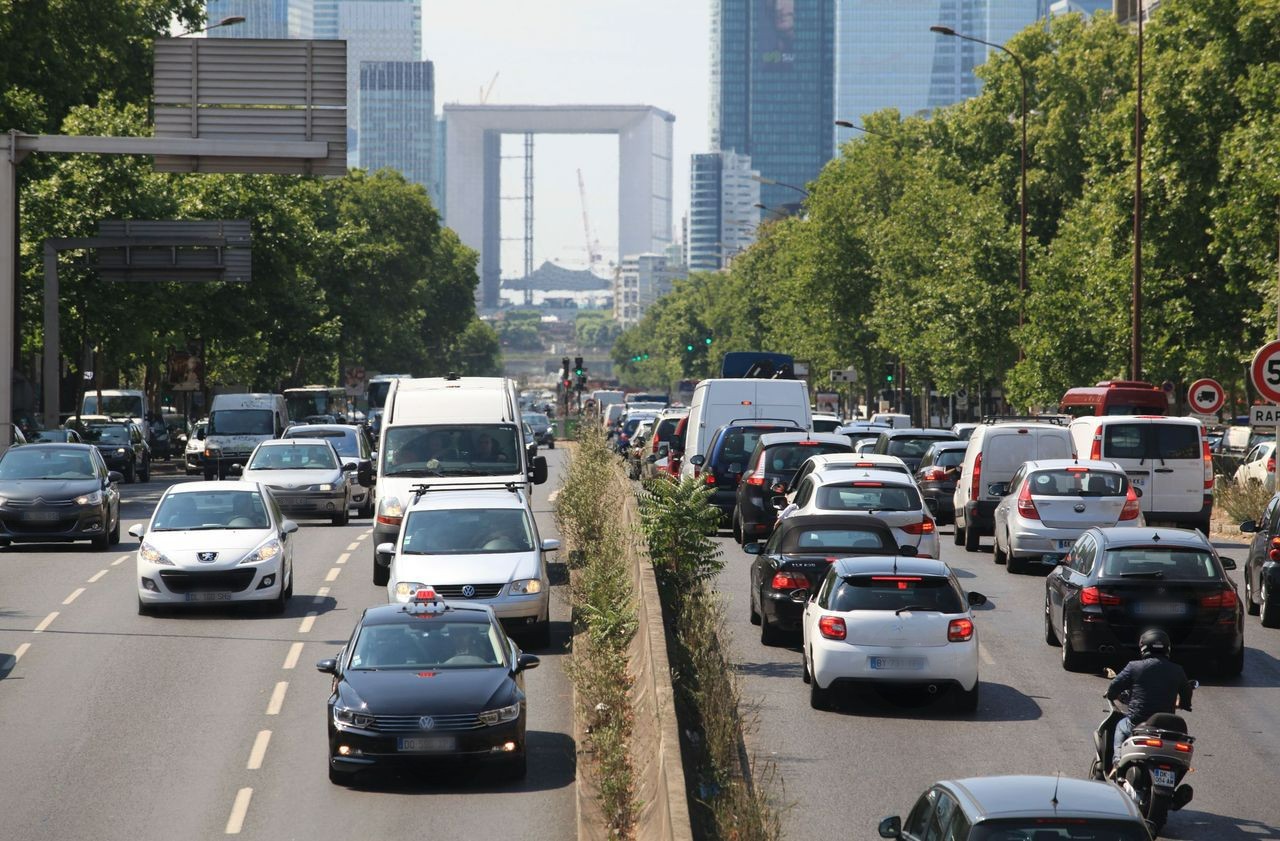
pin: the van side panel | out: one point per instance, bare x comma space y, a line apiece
717, 402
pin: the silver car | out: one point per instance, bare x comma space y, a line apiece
305, 475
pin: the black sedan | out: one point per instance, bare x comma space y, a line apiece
937, 476
57, 493
122, 447
424, 681
1262, 567
773, 464
1116, 583
910, 444
797, 557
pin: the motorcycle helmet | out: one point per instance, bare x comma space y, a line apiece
1154, 643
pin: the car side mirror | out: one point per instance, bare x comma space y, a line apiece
1228, 563
386, 549
115, 477
288, 527
364, 474
527, 661
663, 449
891, 827
329, 667
778, 502
235, 470
976, 599
998, 488
753, 548
698, 460
539, 470
550, 545
350, 465
137, 530
1248, 527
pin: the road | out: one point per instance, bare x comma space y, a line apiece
118, 726
845, 770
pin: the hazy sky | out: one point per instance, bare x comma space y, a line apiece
548, 52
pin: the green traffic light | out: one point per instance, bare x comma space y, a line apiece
707, 340
689, 348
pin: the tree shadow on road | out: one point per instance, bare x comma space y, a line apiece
1189, 824
552, 765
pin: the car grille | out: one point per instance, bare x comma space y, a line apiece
40, 502
16, 525
454, 591
231, 580
411, 723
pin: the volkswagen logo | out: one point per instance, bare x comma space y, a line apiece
206, 557
1079, 507
427, 722
469, 591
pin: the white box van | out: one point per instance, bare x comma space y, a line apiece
1166, 458
995, 453
117, 403
718, 402
447, 431
237, 423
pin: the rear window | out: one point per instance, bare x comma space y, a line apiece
787, 458
1151, 441
1048, 829
1167, 563
820, 425
895, 592
739, 442
821, 539
666, 428
868, 496
949, 458
910, 446
1077, 482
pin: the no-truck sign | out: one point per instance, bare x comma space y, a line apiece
1206, 397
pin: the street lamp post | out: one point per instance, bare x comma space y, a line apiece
1022, 202
230, 20
774, 183
863, 129
1135, 340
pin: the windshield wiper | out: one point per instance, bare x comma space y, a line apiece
926, 608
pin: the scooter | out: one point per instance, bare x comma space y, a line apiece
1150, 765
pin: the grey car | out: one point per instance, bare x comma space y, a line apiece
306, 477
543, 431
352, 444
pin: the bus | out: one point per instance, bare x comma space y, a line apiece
311, 400
1115, 397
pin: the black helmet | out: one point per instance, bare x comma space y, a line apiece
1154, 643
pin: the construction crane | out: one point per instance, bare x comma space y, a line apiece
593, 244
484, 92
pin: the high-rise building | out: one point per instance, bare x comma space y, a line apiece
639, 281
1084, 7
772, 65
397, 118
262, 18
1126, 11
886, 57
723, 193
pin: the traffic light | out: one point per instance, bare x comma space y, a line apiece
707, 340
577, 366
564, 368
888, 372
688, 348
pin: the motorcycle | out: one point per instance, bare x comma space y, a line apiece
1150, 765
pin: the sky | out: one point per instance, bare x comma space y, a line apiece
553, 52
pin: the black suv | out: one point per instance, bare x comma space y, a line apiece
910, 444
772, 465
725, 460
937, 475
1261, 570
122, 447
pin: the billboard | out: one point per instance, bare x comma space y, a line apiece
775, 34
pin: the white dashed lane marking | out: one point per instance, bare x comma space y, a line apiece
343, 558
354, 546
238, 811
291, 659
75, 594
321, 594
986, 655
551, 500
333, 574
307, 622
21, 650
45, 622
97, 576
277, 698
259, 751
118, 561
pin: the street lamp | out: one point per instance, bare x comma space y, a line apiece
762, 206
1022, 202
863, 129
771, 182
229, 20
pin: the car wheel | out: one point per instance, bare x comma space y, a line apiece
551, 446
4, 543
115, 531
1270, 610
288, 589
342, 517
737, 529
209, 474
1014, 564
517, 767
1072, 660
130, 474
1232, 665
381, 574
804, 668
145, 475
366, 511
958, 534
1249, 604
819, 699
971, 539
769, 635
967, 701
751, 601
276, 606
998, 554
102, 542
1050, 635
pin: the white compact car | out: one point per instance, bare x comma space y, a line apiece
846, 461
215, 542
891, 621
1050, 503
479, 544
1258, 467
193, 456
306, 476
890, 497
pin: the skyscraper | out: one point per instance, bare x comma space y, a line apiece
262, 18
723, 218
1084, 7
639, 281
886, 57
397, 118
772, 64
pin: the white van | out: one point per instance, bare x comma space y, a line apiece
891, 419
718, 402
995, 453
447, 432
1166, 458
117, 403
237, 423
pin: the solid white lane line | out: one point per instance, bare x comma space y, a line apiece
21, 650
277, 698
259, 751
45, 622
343, 558
354, 546
986, 655
291, 659
74, 595
98, 575
238, 811
333, 574
118, 561
307, 622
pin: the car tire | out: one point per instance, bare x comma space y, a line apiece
114, 537
966, 701
210, 475
340, 778
971, 539
1015, 565
288, 589
4, 543
366, 511
804, 668
277, 605
131, 473
958, 535
1232, 665
751, 602
102, 543
769, 635
737, 529
551, 446
1269, 612
342, 517
819, 699
997, 554
1072, 660
381, 574
516, 768
1050, 635
145, 475
1250, 606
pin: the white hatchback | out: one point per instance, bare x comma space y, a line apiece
890, 497
891, 621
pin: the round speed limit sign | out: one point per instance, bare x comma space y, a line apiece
1206, 397
1265, 371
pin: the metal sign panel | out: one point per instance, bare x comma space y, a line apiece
269, 90
181, 251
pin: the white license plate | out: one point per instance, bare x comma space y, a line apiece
1064, 545
426, 744
1163, 778
1138, 481
41, 516
208, 597
291, 500
1160, 609
897, 664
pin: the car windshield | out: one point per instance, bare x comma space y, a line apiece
868, 496
536, 421
432, 643
1077, 481
343, 442
208, 510
739, 442
1184, 563
828, 540
48, 435
46, 463
460, 450
114, 434
466, 532
299, 456
241, 422
896, 592
127, 405
859, 437
786, 459
910, 446
1049, 829
825, 425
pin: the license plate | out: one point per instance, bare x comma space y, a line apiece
897, 664
1139, 481
291, 500
1163, 778
1160, 609
1064, 545
208, 597
41, 516
426, 744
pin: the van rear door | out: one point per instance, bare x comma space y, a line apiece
1164, 459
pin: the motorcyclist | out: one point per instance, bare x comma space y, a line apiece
1155, 684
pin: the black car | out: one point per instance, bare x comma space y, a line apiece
1116, 583
937, 475
122, 446
910, 444
772, 465
725, 460
1262, 567
543, 431
425, 681
57, 493
797, 556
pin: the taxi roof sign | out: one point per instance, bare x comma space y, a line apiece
425, 602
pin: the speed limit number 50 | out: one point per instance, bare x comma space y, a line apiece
1265, 371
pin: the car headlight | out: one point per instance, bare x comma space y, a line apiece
526, 587
265, 552
406, 589
390, 510
347, 717
152, 555
500, 715
120, 451
212, 451
94, 498
327, 486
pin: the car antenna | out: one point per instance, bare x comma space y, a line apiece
1056, 781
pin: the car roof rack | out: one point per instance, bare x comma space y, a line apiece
424, 488
1059, 420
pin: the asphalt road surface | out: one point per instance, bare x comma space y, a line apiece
196, 725
844, 771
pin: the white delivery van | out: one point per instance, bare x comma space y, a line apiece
995, 453
117, 403
237, 423
721, 401
1166, 458
891, 419
447, 432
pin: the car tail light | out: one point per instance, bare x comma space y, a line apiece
1131, 506
975, 489
1077, 470
1271, 465
1092, 595
788, 581
868, 484
1150, 743
960, 630
1225, 600
756, 479
808, 443
1026, 505
711, 477
1095, 452
1208, 464
933, 474
925, 526
1182, 747
831, 627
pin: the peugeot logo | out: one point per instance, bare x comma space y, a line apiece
469, 591
427, 722
1079, 507
206, 557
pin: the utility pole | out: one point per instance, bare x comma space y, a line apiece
1135, 362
